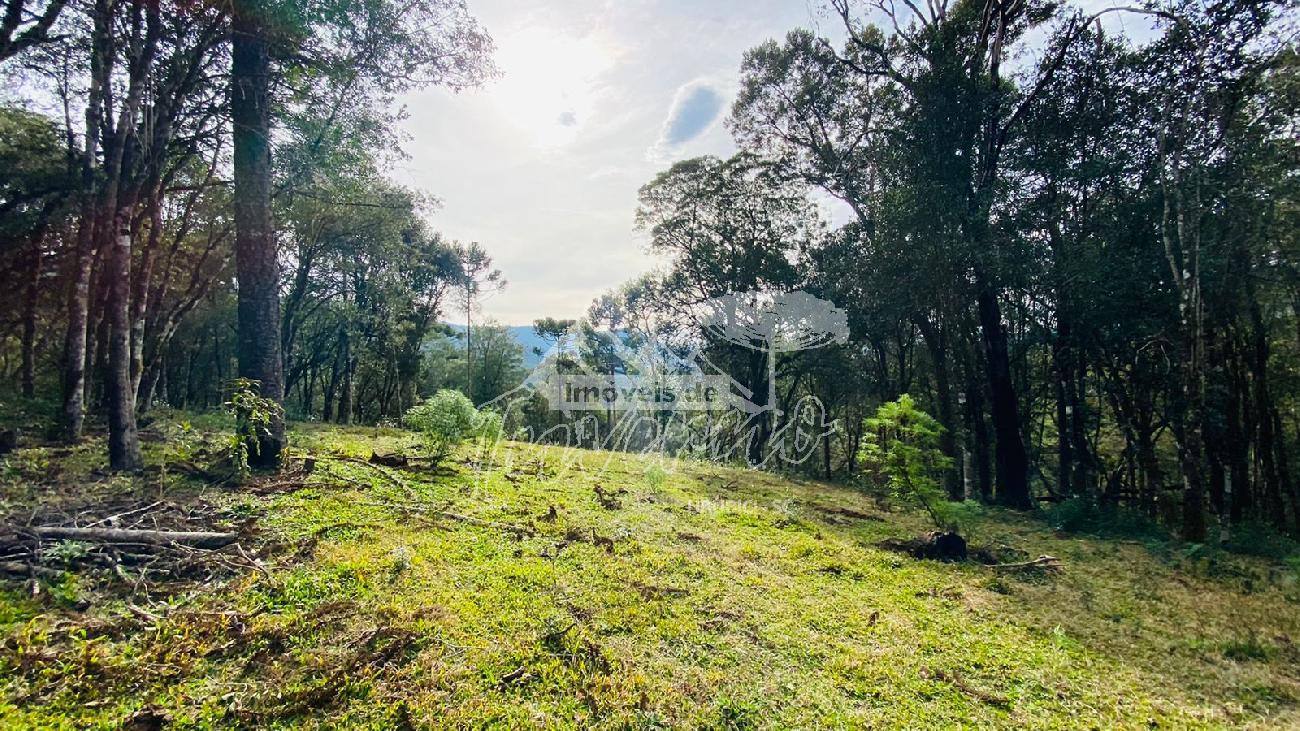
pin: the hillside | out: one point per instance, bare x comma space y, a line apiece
702, 596
529, 342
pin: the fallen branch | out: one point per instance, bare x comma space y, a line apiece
197, 539
1044, 562
119, 516
960, 684
389, 460
377, 469
26, 569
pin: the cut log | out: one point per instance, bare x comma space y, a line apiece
933, 545
389, 460
196, 539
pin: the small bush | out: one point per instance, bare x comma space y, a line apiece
655, 476
254, 415
1248, 648
444, 421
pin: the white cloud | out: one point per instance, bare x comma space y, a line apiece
695, 108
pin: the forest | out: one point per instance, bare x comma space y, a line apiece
1068, 258
1084, 268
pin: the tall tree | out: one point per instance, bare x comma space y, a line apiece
256, 257
477, 278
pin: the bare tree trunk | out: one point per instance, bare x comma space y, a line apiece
140, 293
345, 395
1009, 451
123, 441
257, 268
74, 341
120, 200
159, 388
331, 388
30, 297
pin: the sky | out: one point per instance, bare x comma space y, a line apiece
542, 165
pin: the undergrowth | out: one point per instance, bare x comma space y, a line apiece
535, 587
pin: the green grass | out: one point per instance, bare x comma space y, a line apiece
731, 599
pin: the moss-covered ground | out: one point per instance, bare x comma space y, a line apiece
679, 594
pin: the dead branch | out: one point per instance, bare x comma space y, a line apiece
197, 539
114, 518
25, 569
1044, 562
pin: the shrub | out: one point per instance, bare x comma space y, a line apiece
443, 421
1081, 515
1254, 538
903, 447
254, 415
490, 425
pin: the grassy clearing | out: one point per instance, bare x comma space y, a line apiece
701, 596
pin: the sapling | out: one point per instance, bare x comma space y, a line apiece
902, 445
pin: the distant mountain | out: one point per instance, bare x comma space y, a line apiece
525, 336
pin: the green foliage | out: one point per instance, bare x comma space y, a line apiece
1254, 538
491, 425
655, 476
68, 551
254, 415
769, 593
1081, 515
902, 446
443, 421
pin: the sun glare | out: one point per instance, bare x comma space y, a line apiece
549, 84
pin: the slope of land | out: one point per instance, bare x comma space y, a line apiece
512, 592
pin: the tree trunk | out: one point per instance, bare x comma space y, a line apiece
159, 391
933, 335
1284, 470
1064, 454
331, 389
140, 292
257, 269
1009, 455
826, 455
1190, 448
30, 299
74, 340
123, 442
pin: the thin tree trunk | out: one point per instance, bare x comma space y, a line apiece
332, 387
30, 299
123, 441
345, 395
75, 336
140, 293
74, 340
